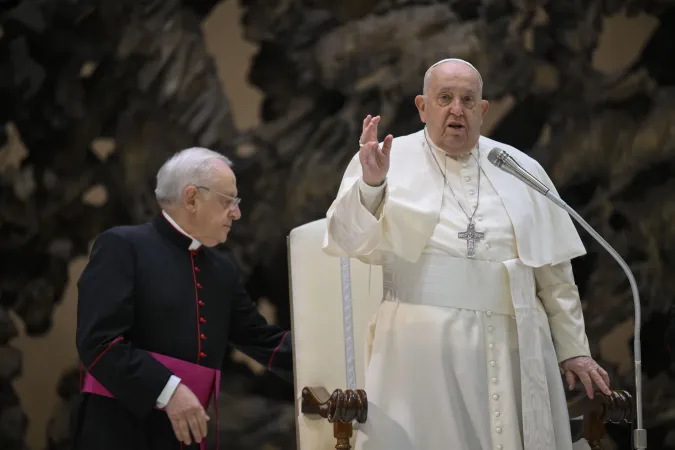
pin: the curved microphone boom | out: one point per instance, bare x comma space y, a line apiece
502, 160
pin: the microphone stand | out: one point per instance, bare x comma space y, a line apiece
502, 160
639, 433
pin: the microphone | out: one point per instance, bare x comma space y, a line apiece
502, 160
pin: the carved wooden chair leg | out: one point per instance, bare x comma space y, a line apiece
343, 433
595, 445
341, 409
594, 431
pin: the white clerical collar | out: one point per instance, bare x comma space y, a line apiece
195, 244
460, 158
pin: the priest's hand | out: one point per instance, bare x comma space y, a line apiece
589, 372
186, 415
374, 160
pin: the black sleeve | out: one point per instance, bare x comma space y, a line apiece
250, 333
105, 313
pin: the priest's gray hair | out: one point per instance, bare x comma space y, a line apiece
190, 167
427, 75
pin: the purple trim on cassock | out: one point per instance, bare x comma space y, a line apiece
202, 381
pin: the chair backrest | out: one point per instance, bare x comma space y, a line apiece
317, 323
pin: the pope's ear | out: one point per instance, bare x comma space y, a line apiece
484, 106
419, 102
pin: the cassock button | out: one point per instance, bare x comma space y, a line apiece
196, 269
199, 285
202, 354
202, 337
492, 363
494, 380
499, 430
489, 313
499, 447
495, 397
490, 329
202, 320
497, 414
201, 303
491, 346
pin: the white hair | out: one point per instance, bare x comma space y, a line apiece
189, 167
427, 75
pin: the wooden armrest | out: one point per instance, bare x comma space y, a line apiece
340, 408
615, 408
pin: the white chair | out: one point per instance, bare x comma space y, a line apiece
318, 325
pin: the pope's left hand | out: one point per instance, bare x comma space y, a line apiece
589, 372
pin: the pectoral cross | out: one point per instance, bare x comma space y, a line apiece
471, 236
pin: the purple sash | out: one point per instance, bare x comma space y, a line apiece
202, 381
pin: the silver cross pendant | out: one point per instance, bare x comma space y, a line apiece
471, 236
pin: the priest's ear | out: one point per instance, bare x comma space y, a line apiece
190, 198
421, 106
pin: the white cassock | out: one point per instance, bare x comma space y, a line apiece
463, 352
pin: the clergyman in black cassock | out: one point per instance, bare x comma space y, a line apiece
155, 288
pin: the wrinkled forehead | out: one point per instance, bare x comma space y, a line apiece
453, 73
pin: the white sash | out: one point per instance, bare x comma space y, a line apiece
500, 288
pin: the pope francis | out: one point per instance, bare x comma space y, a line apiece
480, 311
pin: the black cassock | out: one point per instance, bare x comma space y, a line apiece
144, 285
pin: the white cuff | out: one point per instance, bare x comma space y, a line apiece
371, 196
168, 391
370, 191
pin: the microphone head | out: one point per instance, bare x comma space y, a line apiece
497, 157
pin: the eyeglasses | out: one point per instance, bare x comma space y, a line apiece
230, 203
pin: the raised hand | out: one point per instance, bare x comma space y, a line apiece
187, 415
374, 160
